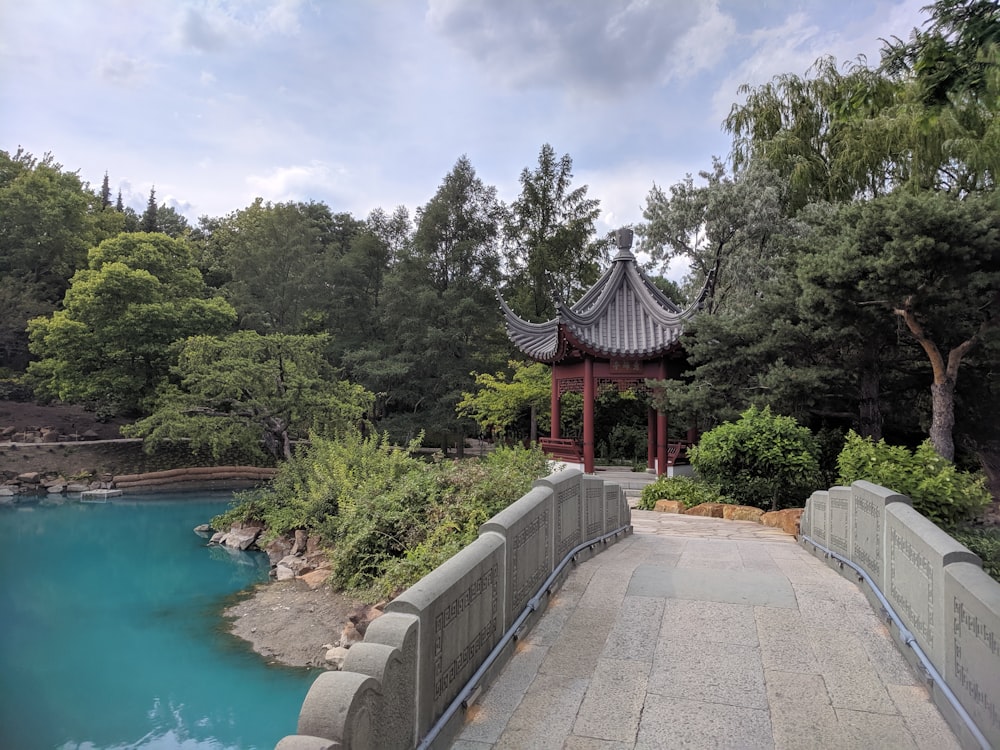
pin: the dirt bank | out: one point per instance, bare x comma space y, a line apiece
289, 623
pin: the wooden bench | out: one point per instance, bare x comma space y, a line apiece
563, 449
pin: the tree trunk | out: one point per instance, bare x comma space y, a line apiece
870, 410
943, 419
533, 429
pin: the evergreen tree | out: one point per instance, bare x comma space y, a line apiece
105, 192
149, 219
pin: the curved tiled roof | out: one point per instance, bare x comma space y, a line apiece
622, 316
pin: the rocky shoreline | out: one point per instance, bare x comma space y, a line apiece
297, 619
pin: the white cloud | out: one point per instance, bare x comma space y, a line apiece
297, 182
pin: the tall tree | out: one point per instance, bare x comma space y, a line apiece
276, 260
725, 229
931, 261
553, 253
105, 192
109, 345
812, 131
149, 222
441, 320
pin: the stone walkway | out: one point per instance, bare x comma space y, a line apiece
703, 633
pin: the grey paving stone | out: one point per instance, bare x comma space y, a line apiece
708, 671
755, 557
589, 743
547, 629
613, 703
801, 713
461, 744
850, 677
580, 643
732, 586
487, 718
864, 730
923, 720
607, 587
884, 654
545, 717
822, 606
635, 630
784, 640
709, 621
715, 554
679, 723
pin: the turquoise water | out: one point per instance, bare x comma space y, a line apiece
110, 634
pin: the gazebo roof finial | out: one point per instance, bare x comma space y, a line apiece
623, 238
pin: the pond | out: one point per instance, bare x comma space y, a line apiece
111, 634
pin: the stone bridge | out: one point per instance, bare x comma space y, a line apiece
872, 629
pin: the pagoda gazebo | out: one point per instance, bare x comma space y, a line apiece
623, 331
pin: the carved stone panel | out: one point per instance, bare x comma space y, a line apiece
972, 668
612, 507
593, 508
526, 525
819, 516
460, 606
868, 527
916, 553
839, 515
567, 486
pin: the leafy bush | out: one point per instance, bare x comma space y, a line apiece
687, 490
937, 488
765, 460
388, 518
985, 542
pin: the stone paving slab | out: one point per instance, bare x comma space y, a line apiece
704, 633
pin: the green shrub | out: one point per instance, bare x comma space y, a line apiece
764, 460
387, 518
937, 488
985, 542
687, 490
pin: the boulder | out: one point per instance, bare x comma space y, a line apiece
29, 477
709, 510
7, 491
742, 513
203, 528
316, 578
50, 436
669, 506
6, 432
350, 635
294, 565
242, 537
277, 549
56, 489
77, 487
787, 520
301, 542
335, 657
89, 435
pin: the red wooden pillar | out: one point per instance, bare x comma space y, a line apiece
554, 431
661, 431
650, 438
588, 415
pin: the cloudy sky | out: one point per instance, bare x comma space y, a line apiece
369, 103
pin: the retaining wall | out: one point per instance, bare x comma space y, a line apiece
935, 585
417, 659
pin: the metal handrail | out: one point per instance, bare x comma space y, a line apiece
472, 687
909, 639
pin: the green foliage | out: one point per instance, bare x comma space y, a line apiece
499, 402
937, 488
110, 344
249, 390
985, 542
690, 491
388, 517
765, 460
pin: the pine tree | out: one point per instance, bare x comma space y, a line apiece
119, 205
149, 223
105, 192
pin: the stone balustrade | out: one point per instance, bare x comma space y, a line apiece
416, 661
935, 586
